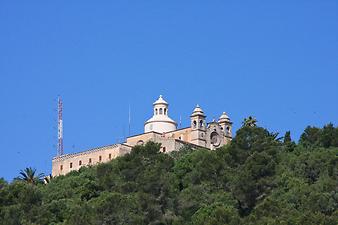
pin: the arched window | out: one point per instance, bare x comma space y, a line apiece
165, 111
140, 142
194, 123
156, 111
201, 123
161, 111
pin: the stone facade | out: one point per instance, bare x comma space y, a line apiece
160, 129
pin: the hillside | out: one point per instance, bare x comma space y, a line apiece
257, 179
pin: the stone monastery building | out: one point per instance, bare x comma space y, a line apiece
159, 128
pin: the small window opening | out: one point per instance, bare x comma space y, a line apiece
61, 167
201, 123
80, 163
195, 123
70, 165
90, 160
156, 111
100, 158
109, 156
164, 149
161, 111
165, 111
140, 142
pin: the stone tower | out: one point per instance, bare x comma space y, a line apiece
226, 124
198, 127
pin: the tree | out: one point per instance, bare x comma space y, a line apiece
288, 143
29, 176
216, 214
327, 136
249, 122
310, 136
2, 183
254, 181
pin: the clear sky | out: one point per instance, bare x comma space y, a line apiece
275, 60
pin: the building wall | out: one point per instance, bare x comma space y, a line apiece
66, 163
168, 142
181, 134
142, 138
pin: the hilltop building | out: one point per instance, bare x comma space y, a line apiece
159, 128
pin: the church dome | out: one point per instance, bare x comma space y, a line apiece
160, 122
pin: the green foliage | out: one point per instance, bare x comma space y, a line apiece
29, 175
216, 214
256, 179
289, 145
249, 122
315, 137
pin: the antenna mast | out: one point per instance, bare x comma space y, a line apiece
60, 128
129, 120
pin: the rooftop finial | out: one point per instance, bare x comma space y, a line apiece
160, 100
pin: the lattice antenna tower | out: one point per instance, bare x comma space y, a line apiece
60, 128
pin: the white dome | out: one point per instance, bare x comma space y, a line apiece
160, 122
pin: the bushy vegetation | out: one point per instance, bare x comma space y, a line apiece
257, 179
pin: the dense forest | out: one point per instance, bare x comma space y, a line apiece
259, 178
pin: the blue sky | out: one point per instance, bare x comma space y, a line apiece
276, 60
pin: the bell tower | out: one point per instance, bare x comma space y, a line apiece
198, 127
226, 124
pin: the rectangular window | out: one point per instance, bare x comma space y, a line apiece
80, 163
70, 165
109, 156
100, 158
61, 167
90, 160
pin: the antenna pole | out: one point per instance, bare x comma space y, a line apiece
129, 120
60, 128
